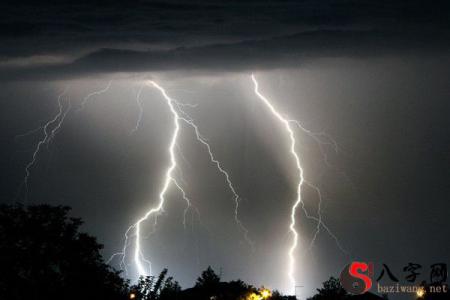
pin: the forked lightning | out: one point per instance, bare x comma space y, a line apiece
286, 123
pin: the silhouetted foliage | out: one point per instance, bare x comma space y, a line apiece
209, 286
276, 295
238, 287
44, 256
171, 290
209, 279
156, 288
332, 290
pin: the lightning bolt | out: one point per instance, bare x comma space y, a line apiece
88, 97
298, 199
179, 115
141, 109
226, 175
59, 124
31, 132
137, 126
321, 138
134, 234
53, 126
56, 122
301, 182
138, 256
236, 198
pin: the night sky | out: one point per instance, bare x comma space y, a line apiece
373, 75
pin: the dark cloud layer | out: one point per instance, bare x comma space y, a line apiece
98, 37
280, 52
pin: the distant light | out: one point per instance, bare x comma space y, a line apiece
262, 294
265, 293
253, 296
420, 292
132, 296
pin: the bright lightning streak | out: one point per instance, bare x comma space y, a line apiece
321, 138
138, 257
32, 131
319, 220
169, 178
141, 109
123, 253
226, 175
185, 198
178, 115
236, 198
87, 98
52, 127
298, 199
60, 123
58, 119
302, 181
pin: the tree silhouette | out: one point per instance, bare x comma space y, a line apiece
332, 290
208, 279
160, 288
171, 290
209, 286
276, 295
44, 256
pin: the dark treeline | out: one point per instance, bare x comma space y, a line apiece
43, 255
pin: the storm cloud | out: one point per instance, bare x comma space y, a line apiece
85, 38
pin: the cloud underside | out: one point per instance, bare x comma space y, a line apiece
288, 51
69, 39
